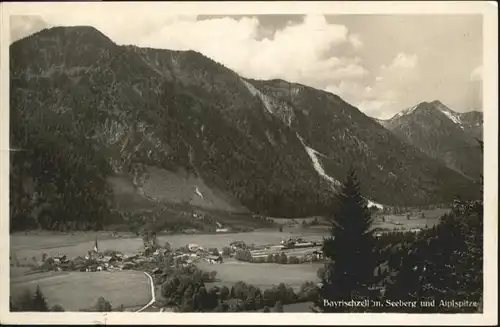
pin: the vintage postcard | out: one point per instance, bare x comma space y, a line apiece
284, 163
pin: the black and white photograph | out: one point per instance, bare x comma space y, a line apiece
158, 158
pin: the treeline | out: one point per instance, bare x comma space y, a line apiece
57, 179
35, 301
186, 291
405, 209
282, 258
442, 263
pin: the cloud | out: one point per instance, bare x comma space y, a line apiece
302, 52
378, 63
475, 90
355, 40
382, 96
22, 26
313, 51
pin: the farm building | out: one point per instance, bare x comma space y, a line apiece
213, 259
237, 245
193, 247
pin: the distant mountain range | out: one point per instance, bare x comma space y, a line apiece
443, 134
99, 123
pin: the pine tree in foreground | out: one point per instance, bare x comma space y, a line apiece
39, 303
350, 272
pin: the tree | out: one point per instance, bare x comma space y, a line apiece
200, 299
321, 273
269, 297
57, 308
102, 305
278, 307
39, 303
226, 251
224, 293
308, 292
213, 298
350, 249
445, 261
25, 302
283, 259
214, 251
222, 307
244, 255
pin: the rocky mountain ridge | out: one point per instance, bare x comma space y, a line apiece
443, 134
88, 110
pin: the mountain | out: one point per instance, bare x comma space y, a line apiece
340, 135
104, 127
443, 134
472, 122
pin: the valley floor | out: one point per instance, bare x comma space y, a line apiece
79, 290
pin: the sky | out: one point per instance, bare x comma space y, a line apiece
381, 64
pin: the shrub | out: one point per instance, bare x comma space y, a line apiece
102, 305
244, 255
283, 259
227, 251
278, 307
57, 308
213, 251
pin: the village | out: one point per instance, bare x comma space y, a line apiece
152, 257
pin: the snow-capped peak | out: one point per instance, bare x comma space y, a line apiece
406, 111
453, 116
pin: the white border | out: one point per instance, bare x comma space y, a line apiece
490, 99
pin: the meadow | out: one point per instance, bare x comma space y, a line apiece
418, 219
25, 246
262, 275
80, 290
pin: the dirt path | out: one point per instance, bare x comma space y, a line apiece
153, 296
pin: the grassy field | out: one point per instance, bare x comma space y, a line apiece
262, 275
417, 220
33, 244
80, 290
